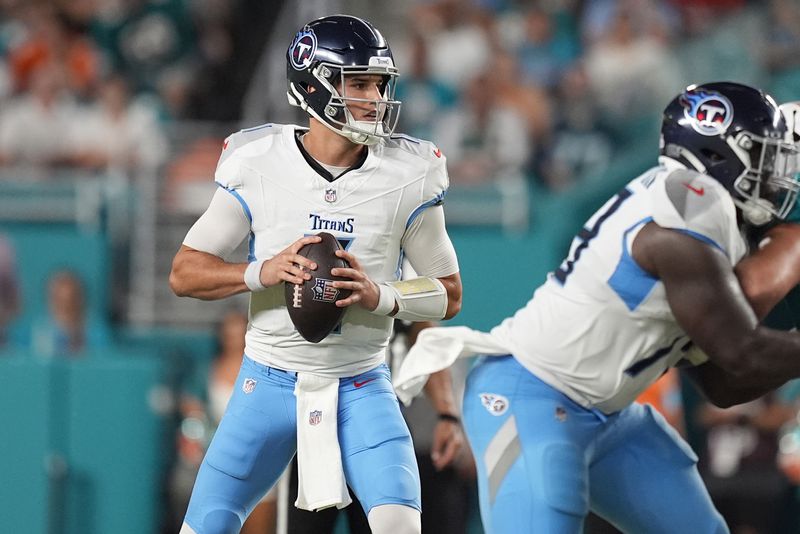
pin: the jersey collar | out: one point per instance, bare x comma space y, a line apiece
322, 171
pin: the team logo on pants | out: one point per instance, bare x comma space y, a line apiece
249, 385
315, 418
495, 404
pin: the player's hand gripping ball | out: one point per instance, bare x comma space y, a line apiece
312, 304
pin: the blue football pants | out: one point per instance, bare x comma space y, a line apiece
257, 437
544, 461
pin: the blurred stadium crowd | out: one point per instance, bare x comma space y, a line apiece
113, 112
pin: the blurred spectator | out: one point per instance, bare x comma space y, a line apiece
9, 287
117, 133
740, 466
782, 48
188, 189
146, 39
459, 39
698, 17
489, 136
53, 38
36, 128
630, 67
67, 330
424, 97
200, 420
783, 40
579, 146
549, 47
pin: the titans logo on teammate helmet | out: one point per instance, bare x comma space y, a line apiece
303, 49
709, 112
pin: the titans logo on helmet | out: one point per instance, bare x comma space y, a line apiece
708, 112
303, 49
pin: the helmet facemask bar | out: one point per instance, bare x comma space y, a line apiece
338, 116
768, 186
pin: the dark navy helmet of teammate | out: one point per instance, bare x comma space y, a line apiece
735, 134
326, 51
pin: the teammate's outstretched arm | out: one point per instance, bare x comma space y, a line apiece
745, 359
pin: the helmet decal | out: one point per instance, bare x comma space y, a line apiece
303, 48
708, 112
735, 134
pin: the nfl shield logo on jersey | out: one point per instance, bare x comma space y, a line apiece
495, 404
315, 418
330, 195
249, 385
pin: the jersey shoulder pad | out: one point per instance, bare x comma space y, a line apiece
239, 145
700, 206
412, 145
436, 178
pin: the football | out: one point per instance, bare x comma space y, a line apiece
312, 304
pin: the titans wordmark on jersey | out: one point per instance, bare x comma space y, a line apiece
600, 329
369, 209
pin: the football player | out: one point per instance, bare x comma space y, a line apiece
649, 283
381, 195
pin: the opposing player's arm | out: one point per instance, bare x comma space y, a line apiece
745, 358
767, 275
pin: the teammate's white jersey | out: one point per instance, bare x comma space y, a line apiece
371, 210
600, 329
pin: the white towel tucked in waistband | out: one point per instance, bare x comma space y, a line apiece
436, 349
320, 477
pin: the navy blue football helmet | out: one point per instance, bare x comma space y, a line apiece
735, 134
321, 55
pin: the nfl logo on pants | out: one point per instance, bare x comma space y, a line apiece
315, 417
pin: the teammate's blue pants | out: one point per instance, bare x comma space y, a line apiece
544, 461
257, 438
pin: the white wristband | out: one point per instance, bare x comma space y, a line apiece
386, 302
252, 276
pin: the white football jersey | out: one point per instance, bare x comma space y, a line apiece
600, 328
368, 209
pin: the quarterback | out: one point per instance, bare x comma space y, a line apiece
380, 194
649, 283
